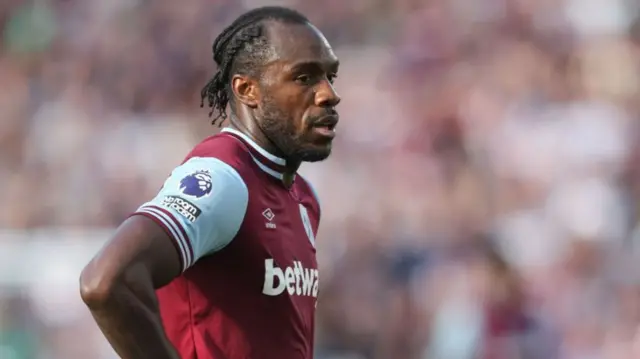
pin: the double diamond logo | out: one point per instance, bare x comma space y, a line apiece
268, 214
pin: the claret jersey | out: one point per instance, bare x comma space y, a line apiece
247, 245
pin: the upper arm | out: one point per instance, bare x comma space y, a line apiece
139, 246
200, 207
199, 210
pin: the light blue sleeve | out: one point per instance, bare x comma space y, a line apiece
201, 206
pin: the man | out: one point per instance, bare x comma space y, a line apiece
221, 263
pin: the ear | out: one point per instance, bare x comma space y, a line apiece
246, 90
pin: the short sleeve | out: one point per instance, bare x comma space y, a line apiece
201, 206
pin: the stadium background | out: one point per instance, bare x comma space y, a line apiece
481, 202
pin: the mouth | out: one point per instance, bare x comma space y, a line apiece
326, 126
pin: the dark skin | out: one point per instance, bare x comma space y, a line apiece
294, 94
280, 111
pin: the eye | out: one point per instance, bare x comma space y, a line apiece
303, 79
332, 77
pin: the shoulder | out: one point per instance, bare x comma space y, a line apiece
224, 148
195, 176
206, 184
201, 206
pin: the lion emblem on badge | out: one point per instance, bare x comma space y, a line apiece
196, 184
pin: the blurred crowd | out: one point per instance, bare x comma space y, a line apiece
481, 203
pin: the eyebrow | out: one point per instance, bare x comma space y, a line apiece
331, 64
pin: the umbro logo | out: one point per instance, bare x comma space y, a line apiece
269, 215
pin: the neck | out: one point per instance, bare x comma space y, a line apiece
257, 135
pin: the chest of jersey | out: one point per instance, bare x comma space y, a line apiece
273, 255
267, 277
255, 295
278, 234
282, 220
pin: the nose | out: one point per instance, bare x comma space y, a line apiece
326, 95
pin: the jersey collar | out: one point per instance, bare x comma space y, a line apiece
267, 162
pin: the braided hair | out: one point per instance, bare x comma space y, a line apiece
240, 48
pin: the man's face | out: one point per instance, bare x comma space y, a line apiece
297, 97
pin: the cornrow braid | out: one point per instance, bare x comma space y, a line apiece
225, 53
240, 48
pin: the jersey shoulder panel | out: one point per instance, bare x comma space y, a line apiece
225, 148
201, 206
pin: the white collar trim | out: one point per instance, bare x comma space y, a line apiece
262, 151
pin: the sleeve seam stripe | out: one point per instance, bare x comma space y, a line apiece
170, 232
176, 234
172, 229
179, 227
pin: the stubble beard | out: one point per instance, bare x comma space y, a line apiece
279, 129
